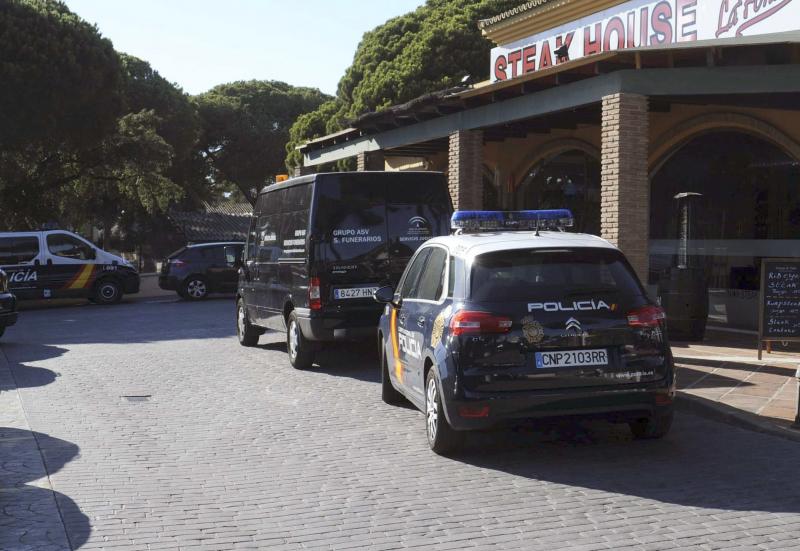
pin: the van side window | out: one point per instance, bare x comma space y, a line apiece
431, 282
409, 287
268, 245
17, 250
66, 246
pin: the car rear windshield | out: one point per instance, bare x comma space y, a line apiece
541, 274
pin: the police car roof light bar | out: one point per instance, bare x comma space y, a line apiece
470, 221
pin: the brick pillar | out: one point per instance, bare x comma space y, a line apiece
624, 188
465, 169
373, 160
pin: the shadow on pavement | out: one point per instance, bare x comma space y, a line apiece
28, 376
31, 519
699, 464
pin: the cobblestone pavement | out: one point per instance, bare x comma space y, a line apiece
234, 449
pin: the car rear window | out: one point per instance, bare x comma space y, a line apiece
540, 274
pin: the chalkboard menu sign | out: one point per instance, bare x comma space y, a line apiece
779, 309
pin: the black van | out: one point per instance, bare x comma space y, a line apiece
320, 245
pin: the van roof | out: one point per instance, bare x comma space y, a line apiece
311, 177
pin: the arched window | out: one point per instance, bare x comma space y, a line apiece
570, 179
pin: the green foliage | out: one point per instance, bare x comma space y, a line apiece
423, 51
60, 78
246, 127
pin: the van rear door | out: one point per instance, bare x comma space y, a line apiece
20, 257
351, 257
417, 208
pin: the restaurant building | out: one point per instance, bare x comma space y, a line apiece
611, 109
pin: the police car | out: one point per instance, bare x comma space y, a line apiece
513, 318
61, 264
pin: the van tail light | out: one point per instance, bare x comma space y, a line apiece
467, 322
647, 316
314, 294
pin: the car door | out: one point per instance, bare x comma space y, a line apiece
422, 307
69, 268
407, 338
21, 258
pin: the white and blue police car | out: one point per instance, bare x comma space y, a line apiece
513, 318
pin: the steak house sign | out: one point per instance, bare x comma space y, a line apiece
640, 23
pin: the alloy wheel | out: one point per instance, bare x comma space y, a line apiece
196, 288
432, 409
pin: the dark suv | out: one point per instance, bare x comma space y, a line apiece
197, 270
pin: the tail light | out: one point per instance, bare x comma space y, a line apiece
647, 316
177, 262
467, 322
314, 294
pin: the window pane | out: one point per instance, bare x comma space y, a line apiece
432, 279
66, 246
409, 285
16, 250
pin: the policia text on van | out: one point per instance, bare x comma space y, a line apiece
320, 245
60, 264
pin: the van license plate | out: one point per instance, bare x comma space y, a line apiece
354, 292
571, 358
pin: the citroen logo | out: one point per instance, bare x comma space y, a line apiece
573, 326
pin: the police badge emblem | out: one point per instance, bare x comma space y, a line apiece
437, 329
532, 330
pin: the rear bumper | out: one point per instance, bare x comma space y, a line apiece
8, 310
509, 408
329, 328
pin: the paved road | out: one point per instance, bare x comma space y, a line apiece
235, 450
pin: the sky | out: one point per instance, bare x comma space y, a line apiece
198, 44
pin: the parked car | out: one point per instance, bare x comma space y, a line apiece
61, 264
195, 271
8, 305
489, 327
320, 245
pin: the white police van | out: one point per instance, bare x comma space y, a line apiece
61, 264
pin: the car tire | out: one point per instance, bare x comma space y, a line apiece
194, 288
107, 291
442, 438
301, 352
653, 427
248, 334
2, 330
389, 394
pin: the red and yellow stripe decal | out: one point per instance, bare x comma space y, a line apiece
83, 278
398, 367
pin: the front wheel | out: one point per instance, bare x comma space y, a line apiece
301, 354
248, 335
652, 427
442, 438
107, 291
389, 394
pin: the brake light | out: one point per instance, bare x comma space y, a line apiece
314, 294
177, 262
473, 323
647, 316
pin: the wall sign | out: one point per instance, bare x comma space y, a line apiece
639, 23
779, 307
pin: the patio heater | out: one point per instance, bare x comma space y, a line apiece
684, 289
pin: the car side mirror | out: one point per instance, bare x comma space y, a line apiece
385, 295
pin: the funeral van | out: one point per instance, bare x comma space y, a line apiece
61, 264
320, 245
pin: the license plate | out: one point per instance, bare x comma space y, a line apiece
571, 358
354, 292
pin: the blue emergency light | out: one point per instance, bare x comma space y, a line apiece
511, 220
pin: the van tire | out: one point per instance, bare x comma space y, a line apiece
247, 333
389, 394
194, 287
300, 350
107, 291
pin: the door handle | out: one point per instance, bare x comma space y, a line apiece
421, 321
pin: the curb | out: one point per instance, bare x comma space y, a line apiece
732, 416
